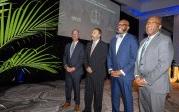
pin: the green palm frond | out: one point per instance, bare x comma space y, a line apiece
27, 20
31, 18
3, 2
34, 58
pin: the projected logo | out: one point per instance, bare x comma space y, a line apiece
95, 17
76, 19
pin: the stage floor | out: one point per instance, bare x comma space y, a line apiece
49, 96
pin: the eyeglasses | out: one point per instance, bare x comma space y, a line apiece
122, 25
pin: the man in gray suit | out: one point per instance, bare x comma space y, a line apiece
73, 63
151, 70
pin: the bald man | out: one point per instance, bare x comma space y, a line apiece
121, 60
151, 71
73, 63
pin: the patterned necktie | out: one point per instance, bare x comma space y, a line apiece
72, 48
143, 49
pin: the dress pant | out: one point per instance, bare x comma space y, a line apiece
121, 88
150, 101
72, 82
93, 90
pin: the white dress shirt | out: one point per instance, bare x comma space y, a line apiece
72, 47
145, 44
118, 43
119, 40
93, 46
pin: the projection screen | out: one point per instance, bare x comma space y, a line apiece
87, 14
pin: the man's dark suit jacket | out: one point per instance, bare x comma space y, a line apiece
76, 59
97, 60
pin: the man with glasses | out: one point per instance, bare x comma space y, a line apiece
121, 60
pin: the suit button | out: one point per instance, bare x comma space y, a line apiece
141, 64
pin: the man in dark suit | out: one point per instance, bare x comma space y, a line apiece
95, 64
155, 56
121, 61
73, 63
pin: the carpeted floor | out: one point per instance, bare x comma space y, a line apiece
49, 96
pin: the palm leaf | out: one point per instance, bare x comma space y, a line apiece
26, 21
29, 19
34, 58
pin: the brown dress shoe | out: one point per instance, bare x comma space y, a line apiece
66, 105
77, 108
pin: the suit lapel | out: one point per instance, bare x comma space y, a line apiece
89, 48
152, 44
114, 45
122, 44
94, 51
74, 49
69, 50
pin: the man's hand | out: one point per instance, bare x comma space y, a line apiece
140, 81
73, 69
116, 73
89, 70
67, 68
70, 69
